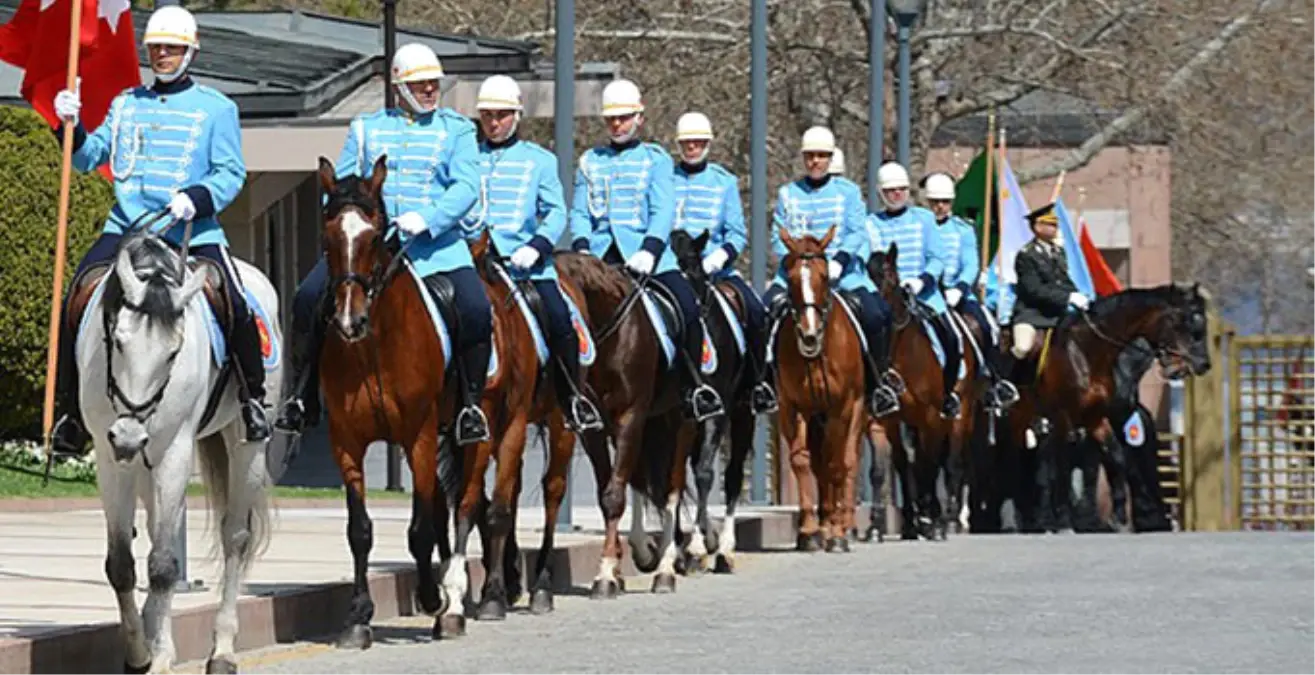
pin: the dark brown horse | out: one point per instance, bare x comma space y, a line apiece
820, 381
1075, 390
373, 390
643, 418
934, 440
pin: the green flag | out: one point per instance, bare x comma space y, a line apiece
970, 198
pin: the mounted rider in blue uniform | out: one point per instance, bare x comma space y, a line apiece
433, 180
921, 264
623, 210
811, 205
522, 206
708, 200
174, 145
961, 276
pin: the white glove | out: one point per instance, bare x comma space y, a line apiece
953, 296
181, 207
524, 257
914, 286
411, 223
1078, 300
641, 262
67, 105
714, 261
835, 269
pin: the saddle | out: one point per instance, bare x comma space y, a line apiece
84, 285
1035, 357
445, 298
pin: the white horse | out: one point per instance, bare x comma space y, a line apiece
146, 374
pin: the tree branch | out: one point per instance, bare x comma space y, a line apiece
658, 34
1172, 88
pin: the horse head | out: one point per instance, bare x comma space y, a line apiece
354, 246
689, 257
808, 287
144, 303
1187, 346
883, 269
1172, 318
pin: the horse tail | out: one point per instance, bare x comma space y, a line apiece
451, 469
216, 475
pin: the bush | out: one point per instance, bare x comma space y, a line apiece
29, 193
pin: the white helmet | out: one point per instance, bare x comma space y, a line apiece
173, 25
694, 126
939, 186
818, 139
891, 176
621, 97
837, 167
415, 62
500, 92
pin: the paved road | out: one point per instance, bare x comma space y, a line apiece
1088, 603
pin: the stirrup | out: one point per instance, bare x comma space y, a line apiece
711, 406
763, 400
883, 401
472, 425
292, 416
891, 378
1005, 392
68, 437
253, 415
584, 416
951, 407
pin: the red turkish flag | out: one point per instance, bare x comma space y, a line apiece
36, 39
1103, 279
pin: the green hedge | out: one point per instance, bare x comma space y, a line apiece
29, 208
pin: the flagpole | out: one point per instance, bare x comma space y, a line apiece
1082, 200
61, 233
1000, 259
1059, 187
986, 208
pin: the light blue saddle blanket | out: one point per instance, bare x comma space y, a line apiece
587, 350
270, 345
939, 348
665, 332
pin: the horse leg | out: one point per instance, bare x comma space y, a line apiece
706, 448
794, 427
422, 532
665, 579
1114, 458
561, 446
926, 469
118, 497
612, 498
168, 483
597, 447
360, 538
844, 476
878, 474
511, 446
741, 435
236, 482
456, 577
909, 489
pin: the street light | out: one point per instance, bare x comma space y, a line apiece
876, 96
906, 14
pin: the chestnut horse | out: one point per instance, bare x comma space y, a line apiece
820, 383
373, 389
1075, 390
936, 442
642, 415
516, 397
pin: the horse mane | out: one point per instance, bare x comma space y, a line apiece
151, 255
1134, 300
593, 274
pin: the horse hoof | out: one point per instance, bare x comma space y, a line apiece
808, 543
129, 668
695, 565
837, 545
356, 636
221, 665
664, 583
604, 589
492, 609
431, 605
723, 564
449, 626
541, 602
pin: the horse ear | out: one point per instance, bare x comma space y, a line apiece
327, 174
195, 282
480, 247
830, 234
134, 289
892, 251
377, 176
701, 241
786, 239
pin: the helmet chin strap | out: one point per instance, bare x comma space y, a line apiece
703, 155
411, 102
892, 206
628, 136
510, 132
180, 70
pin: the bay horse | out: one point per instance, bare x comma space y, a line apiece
820, 384
1075, 390
642, 415
733, 382
516, 396
382, 372
152, 391
932, 441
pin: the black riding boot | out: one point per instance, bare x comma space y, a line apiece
762, 399
1003, 392
301, 407
581, 413
246, 349
473, 369
950, 406
883, 398
703, 400
69, 435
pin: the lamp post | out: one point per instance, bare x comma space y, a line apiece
758, 488
906, 14
393, 467
564, 147
876, 96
